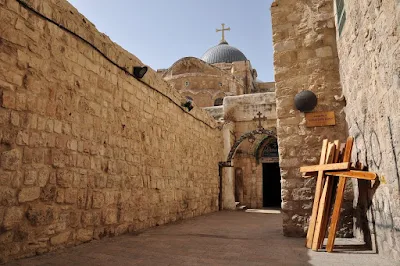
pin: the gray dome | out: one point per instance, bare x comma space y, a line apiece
223, 53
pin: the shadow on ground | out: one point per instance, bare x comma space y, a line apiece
223, 238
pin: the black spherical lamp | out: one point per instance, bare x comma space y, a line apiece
305, 101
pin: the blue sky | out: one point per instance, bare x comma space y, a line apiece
159, 32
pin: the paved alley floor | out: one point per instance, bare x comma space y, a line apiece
223, 238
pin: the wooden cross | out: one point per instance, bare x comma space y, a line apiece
223, 32
334, 163
259, 118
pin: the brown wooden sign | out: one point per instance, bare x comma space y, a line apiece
320, 119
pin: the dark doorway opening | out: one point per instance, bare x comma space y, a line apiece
271, 185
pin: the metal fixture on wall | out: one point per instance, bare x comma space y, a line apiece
305, 101
139, 71
188, 105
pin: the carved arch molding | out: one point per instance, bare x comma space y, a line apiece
259, 131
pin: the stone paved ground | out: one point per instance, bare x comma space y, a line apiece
223, 238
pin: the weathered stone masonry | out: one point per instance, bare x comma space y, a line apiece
86, 150
369, 53
305, 58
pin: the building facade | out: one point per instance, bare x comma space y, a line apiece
225, 84
346, 53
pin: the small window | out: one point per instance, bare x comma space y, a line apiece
220, 84
340, 15
187, 83
218, 101
189, 99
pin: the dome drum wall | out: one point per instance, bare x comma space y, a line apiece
204, 82
205, 98
204, 89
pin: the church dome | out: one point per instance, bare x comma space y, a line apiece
223, 53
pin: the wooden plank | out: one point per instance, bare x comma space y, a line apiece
323, 214
337, 151
317, 195
339, 198
325, 167
330, 191
322, 203
353, 174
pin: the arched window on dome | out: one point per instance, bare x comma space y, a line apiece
218, 101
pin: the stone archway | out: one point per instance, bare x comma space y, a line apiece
247, 135
233, 193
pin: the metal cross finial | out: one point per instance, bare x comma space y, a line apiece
223, 32
259, 118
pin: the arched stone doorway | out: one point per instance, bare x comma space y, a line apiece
256, 172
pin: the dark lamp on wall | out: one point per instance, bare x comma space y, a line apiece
139, 71
305, 101
188, 105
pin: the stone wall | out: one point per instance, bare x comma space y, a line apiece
86, 150
264, 87
305, 58
369, 53
243, 71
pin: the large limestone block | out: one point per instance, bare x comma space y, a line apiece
60, 238
245, 107
29, 194
84, 235
10, 160
13, 216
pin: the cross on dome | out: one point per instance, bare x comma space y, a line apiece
223, 33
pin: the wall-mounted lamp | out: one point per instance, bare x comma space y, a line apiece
188, 105
139, 71
305, 101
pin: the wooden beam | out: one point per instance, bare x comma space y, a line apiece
353, 174
323, 201
339, 198
325, 167
317, 196
337, 151
330, 191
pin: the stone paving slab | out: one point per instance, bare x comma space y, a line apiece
223, 238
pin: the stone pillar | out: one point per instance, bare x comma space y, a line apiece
228, 175
305, 58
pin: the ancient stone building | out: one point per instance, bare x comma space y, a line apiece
85, 145
347, 53
368, 45
225, 84
88, 149
222, 71
305, 58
